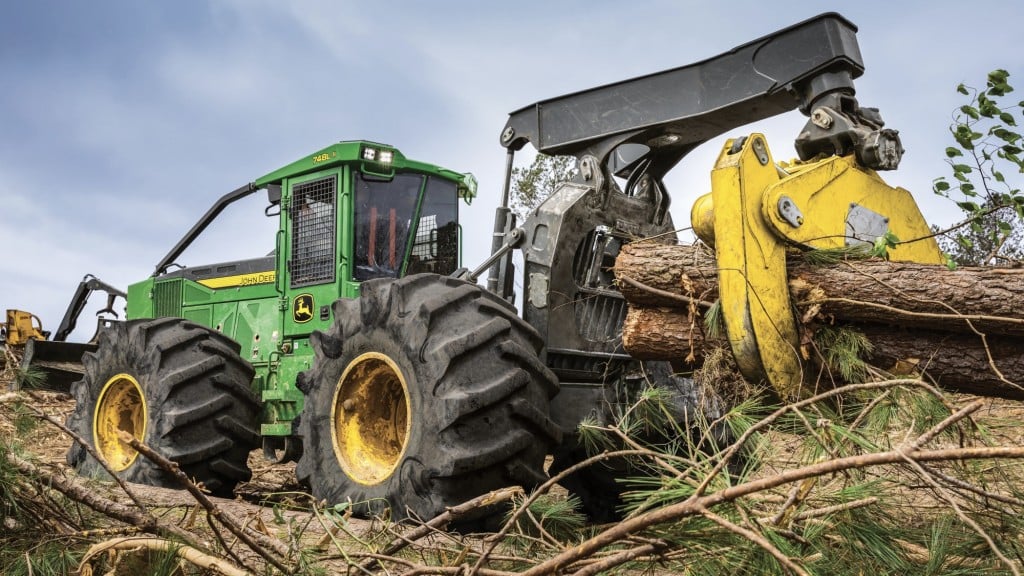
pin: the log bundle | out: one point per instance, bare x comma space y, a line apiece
963, 329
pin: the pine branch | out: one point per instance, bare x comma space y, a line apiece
187, 553
77, 491
270, 549
696, 503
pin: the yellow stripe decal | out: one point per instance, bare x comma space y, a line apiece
239, 280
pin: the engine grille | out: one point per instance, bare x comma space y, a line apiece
167, 298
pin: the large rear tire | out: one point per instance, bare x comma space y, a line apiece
182, 388
426, 392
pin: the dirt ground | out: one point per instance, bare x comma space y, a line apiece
50, 445
271, 500
274, 501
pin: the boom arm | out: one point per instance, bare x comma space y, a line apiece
810, 66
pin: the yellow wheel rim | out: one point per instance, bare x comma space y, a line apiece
120, 407
370, 418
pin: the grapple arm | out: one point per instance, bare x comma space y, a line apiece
86, 287
757, 212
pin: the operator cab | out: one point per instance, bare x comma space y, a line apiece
359, 211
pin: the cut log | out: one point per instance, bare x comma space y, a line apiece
956, 362
664, 334
985, 300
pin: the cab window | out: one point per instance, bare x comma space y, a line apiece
394, 230
384, 211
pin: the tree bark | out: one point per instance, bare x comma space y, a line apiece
665, 334
953, 361
901, 294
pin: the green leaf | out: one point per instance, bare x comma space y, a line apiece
953, 152
949, 261
986, 107
940, 185
999, 89
883, 244
997, 84
962, 168
341, 507
965, 137
998, 76
968, 206
970, 111
963, 90
1007, 118
1006, 135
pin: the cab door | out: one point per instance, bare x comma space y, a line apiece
312, 252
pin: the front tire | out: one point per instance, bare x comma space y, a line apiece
426, 392
179, 387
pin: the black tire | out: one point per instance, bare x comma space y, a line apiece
475, 416
195, 390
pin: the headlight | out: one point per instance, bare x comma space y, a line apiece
378, 155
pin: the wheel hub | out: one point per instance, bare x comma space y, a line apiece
370, 418
120, 407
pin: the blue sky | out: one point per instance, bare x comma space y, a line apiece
121, 122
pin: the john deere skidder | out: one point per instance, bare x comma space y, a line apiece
361, 349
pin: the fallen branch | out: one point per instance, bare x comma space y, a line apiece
441, 521
694, 505
86, 495
187, 553
756, 538
248, 537
543, 488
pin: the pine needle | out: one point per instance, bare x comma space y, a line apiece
829, 256
30, 377
843, 350
714, 325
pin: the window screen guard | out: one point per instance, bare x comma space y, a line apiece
313, 232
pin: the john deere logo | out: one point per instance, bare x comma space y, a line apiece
302, 308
